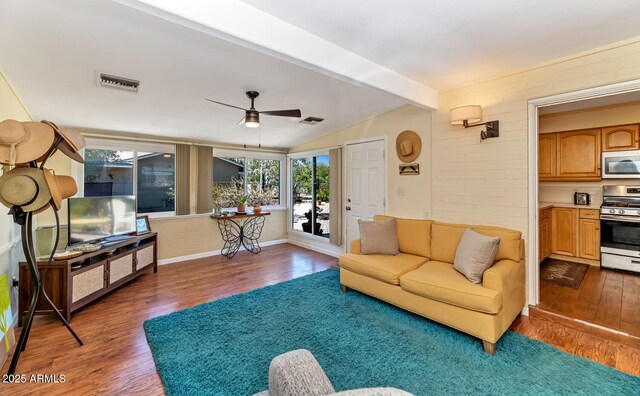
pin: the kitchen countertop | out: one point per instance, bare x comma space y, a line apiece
546, 205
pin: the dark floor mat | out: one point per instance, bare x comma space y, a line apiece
563, 273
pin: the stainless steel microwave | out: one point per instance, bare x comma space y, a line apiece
621, 164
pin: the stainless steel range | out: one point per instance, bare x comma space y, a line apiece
620, 228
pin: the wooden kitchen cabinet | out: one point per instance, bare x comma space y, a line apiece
563, 231
547, 155
574, 232
620, 138
589, 234
545, 239
544, 234
589, 230
578, 155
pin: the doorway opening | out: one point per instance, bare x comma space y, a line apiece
580, 269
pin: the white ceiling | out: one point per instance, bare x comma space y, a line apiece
60, 47
450, 43
323, 57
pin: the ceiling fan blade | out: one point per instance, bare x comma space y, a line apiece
283, 113
242, 121
226, 104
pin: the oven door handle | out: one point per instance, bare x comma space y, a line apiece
625, 219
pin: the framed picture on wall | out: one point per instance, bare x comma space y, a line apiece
410, 169
142, 225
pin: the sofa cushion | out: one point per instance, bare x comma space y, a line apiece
445, 238
414, 235
475, 253
440, 281
383, 268
378, 237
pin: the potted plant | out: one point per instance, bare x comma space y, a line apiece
242, 204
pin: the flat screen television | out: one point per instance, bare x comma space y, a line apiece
99, 218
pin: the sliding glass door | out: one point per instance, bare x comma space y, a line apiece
310, 190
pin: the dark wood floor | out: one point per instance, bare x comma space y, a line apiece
606, 298
116, 359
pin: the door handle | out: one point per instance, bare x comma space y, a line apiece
348, 207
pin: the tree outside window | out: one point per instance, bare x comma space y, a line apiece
310, 200
259, 179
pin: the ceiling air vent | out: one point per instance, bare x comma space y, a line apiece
312, 120
126, 84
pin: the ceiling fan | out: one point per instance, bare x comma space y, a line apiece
252, 116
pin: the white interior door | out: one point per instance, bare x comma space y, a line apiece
365, 189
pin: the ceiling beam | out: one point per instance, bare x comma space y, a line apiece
237, 22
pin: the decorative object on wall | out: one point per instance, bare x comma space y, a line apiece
410, 169
6, 321
408, 146
142, 225
470, 116
29, 189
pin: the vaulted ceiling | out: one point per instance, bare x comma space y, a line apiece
338, 60
449, 43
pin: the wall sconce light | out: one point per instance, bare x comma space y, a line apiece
470, 116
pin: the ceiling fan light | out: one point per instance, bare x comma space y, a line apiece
252, 119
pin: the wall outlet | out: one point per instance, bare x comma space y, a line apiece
401, 192
426, 214
14, 281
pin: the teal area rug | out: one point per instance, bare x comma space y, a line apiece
224, 348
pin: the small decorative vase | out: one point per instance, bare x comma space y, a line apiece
257, 209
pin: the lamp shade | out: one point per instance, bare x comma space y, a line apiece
471, 114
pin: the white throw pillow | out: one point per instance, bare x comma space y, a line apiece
475, 254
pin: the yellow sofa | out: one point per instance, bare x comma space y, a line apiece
421, 279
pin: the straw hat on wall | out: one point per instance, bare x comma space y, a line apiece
408, 146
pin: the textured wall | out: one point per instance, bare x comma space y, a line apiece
486, 183
10, 248
187, 235
416, 202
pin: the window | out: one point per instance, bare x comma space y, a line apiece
156, 182
144, 170
258, 178
310, 190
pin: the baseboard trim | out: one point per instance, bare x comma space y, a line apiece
314, 248
211, 253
